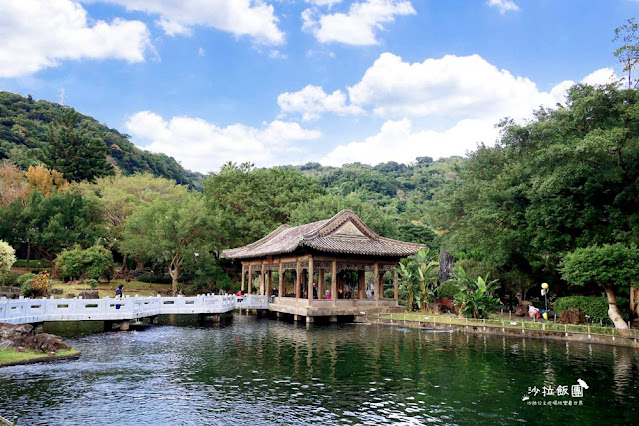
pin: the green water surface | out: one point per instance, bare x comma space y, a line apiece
263, 371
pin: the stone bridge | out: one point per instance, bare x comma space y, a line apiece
37, 311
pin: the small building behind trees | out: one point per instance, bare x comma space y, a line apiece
330, 268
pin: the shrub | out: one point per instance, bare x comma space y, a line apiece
448, 289
475, 297
594, 308
24, 278
94, 262
9, 279
36, 287
93, 283
7, 257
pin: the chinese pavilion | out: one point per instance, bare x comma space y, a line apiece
343, 247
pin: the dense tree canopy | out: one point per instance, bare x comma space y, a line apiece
172, 230
24, 124
249, 203
567, 179
614, 267
73, 152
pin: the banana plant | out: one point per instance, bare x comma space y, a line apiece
475, 297
417, 278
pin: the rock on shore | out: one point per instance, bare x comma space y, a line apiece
22, 337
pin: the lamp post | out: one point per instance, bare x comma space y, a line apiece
544, 292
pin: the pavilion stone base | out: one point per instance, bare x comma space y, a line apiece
332, 309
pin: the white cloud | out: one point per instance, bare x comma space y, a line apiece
276, 54
462, 86
328, 3
452, 87
40, 34
252, 18
601, 76
312, 101
359, 25
504, 6
467, 90
397, 141
201, 52
203, 146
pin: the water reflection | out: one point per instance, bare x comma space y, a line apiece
264, 371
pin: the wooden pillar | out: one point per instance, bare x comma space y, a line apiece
298, 276
262, 280
376, 277
281, 290
250, 279
396, 283
320, 283
243, 275
269, 282
334, 282
361, 284
310, 280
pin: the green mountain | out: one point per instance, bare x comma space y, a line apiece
23, 131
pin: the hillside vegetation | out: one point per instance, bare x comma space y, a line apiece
24, 126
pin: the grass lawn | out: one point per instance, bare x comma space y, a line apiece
108, 289
10, 355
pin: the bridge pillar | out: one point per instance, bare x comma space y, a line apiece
309, 320
297, 317
332, 318
124, 325
279, 314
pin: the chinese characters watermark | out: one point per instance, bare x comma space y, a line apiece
576, 391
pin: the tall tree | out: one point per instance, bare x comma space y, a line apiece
71, 151
12, 184
628, 52
611, 266
172, 231
51, 224
249, 203
120, 196
567, 179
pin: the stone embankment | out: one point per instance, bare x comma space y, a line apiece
585, 334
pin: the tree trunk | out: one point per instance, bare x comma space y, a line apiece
123, 269
174, 272
410, 300
445, 267
28, 255
54, 271
634, 300
613, 312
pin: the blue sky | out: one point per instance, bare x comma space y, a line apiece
286, 82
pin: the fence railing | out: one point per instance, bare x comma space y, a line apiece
511, 323
251, 301
20, 311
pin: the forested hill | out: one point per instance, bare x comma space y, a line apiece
23, 131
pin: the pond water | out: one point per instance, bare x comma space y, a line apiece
262, 371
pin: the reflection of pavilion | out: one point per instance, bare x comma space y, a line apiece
341, 249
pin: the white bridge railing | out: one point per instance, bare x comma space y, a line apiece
251, 301
22, 311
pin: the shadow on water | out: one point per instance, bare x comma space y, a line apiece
260, 371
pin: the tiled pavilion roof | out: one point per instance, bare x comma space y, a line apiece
344, 233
